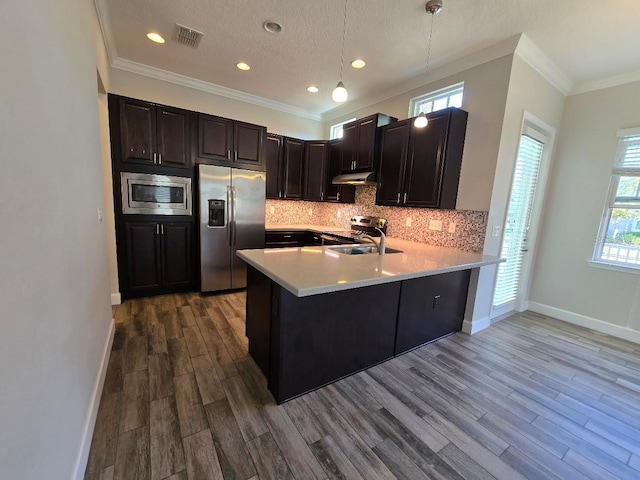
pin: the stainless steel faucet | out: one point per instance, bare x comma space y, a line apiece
381, 246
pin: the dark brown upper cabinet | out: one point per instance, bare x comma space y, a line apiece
420, 167
292, 167
337, 193
273, 165
315, 170
154, 134
284, 161
361, 141
226, 142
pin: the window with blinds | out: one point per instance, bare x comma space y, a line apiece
516, 228
619, 235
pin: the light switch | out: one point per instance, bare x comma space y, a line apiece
272, 210
339, 213
452, 227
100, 215
435, 225
407, 222
495, 231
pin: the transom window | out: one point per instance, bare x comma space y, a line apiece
450, 96
336, 130
619, 235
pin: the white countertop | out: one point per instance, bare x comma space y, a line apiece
308, 271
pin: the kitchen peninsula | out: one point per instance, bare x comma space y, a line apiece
315, 315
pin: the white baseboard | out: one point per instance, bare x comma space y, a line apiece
476, 325
94, 403
116, 299
624, 333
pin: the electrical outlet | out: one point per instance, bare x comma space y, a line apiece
310, 212
407, 222
100, 217
339, 213
272, 210
435, 225
452, 227
495, 231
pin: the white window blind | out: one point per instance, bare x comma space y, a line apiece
514, 242
618, 238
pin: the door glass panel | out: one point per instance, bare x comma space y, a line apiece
157, 193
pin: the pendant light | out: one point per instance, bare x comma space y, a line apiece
340, 93
432, 7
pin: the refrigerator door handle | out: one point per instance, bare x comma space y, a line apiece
233, 215
229, 215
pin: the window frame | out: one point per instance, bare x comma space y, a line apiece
338, 127
618, 171
447, 92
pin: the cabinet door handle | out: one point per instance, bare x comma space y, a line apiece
155, 158
405, 198
228, 154
157, 229
398, 200
235, 156
162, 229
338, 196
160, 158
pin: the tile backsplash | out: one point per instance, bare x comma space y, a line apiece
469, 230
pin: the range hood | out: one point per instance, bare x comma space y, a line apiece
363, 178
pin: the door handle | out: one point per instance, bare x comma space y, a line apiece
228, 213
233, 213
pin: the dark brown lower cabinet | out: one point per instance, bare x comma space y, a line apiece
158, 258
302, 343
431, 307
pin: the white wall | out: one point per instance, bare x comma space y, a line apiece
485, 93
564, 284
530, 92
54, 281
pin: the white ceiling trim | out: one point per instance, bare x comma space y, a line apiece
606, 83
105, 26
493, 52
530, 53
178, 79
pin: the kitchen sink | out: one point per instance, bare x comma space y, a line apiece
361, 249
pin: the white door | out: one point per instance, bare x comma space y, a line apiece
520, 226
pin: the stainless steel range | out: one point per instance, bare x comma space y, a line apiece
361, 225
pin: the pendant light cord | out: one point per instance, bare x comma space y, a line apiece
429, 47
344, 31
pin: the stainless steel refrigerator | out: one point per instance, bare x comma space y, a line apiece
232, 203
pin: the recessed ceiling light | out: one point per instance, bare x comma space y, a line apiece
155, 37
272, 27
243, 66
358, 63
312, 89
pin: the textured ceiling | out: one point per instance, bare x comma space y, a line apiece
587, 40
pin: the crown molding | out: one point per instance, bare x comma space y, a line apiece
606, 83
530, 53
105, 26
178, 79
488, 54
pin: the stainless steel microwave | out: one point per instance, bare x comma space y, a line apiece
150, 194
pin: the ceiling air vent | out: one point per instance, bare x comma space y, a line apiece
188, 36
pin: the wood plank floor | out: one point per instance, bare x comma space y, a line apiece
530, 397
